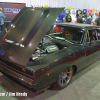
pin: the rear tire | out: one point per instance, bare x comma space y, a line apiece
64, 78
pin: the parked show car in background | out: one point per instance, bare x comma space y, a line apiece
38, 59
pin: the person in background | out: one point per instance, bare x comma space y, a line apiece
80, 19
84, 18
88, 20
68, 18
94, 18
2, 17
78, 12
97, 21
61, 19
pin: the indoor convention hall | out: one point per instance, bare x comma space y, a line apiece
50, 50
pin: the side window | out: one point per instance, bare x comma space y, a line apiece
93, 35
96, 34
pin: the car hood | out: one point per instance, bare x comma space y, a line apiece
22, 36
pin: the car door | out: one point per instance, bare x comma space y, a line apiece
96, 43
89, 50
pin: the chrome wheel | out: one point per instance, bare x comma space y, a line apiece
64, 78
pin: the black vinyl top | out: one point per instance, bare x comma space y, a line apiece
77, 25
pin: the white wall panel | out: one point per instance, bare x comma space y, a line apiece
87, 4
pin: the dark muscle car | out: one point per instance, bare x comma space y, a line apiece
38, 59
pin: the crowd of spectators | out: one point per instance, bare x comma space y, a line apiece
87, 18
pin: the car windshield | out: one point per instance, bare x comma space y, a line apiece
73, 35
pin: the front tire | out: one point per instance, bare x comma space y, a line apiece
64, 78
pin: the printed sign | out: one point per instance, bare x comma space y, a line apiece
93, 9
67, 11
79, 12
73, 12
46, 6
69, 8
10, 10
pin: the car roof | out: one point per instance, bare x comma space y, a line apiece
77, 25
